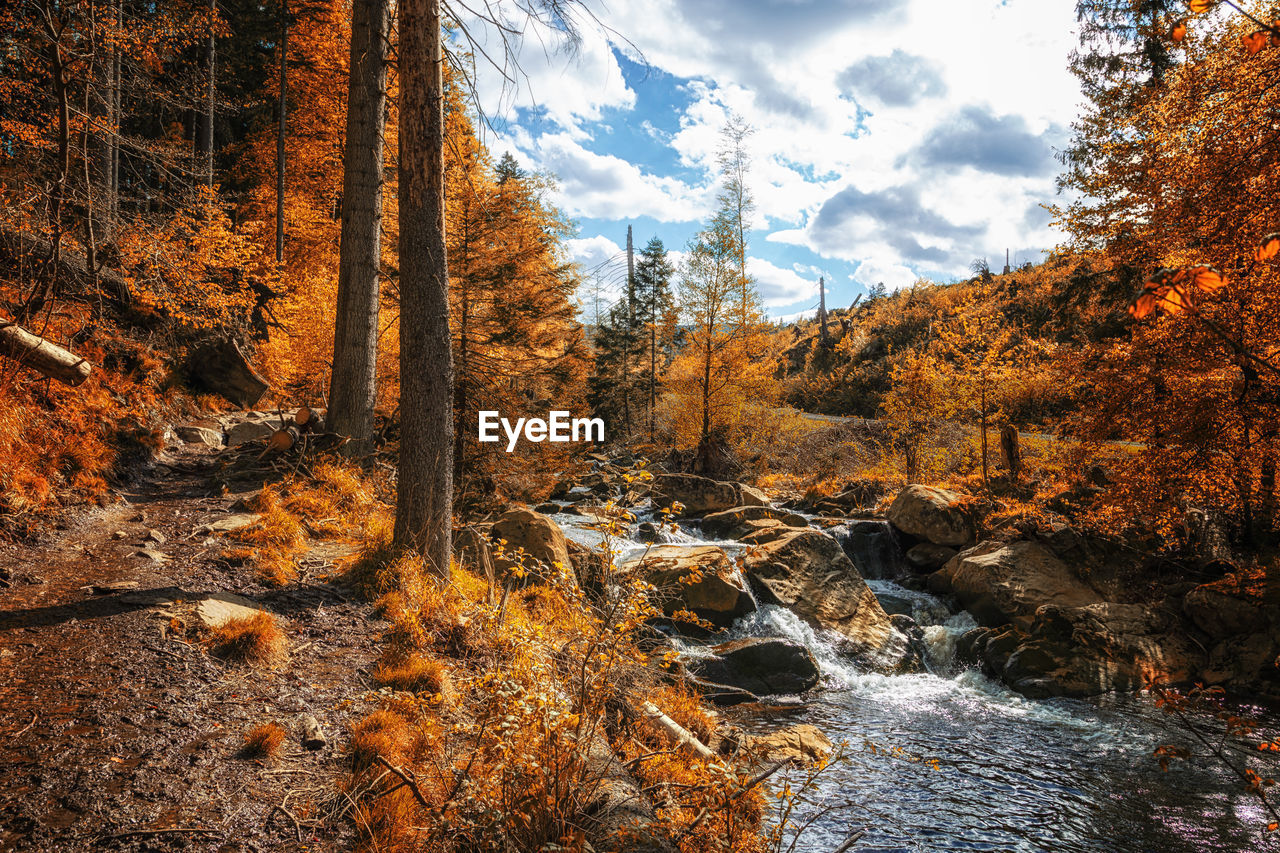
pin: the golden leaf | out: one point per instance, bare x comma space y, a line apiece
1199, 7
1269, 247
1179, 31
1255, 41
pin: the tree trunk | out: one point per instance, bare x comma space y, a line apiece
1011, 451
40, 355
211, 97
653, 370
706, 390
424, 502
282, 107
822, 311
352, 386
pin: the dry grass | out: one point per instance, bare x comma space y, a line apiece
253, 640
264, 741
418, 672
384, 734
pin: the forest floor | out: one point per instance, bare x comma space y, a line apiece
119, 730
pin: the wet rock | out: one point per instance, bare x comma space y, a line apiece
808, 572
796, 743
1002, 582
734, 523
701, 580
648, 532
723, 695
1098, 648
928, 557
763, 666
548, 508
246, 431
934, 515
199, 435
698, 495
873, 547
539, 537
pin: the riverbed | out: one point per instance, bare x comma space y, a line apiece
951, 760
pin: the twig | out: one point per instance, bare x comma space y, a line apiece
192, 830
297, 827
408, 780
27, 727
850, 841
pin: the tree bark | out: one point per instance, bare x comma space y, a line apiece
1010, 449
40, 355
424, 503
282, 108
211, 96
352, 386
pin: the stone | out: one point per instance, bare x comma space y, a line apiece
934, 515
763, 666
223, 607
1003, 583
1220, 614
313, 736
112, 587
1099, 648
928, 557
247, 431
548, 508
648, 532
717, 595
733, 523
698, 495
228, 523
199, 435
153, 555
156, 536
539, 536
801, 743
751, 496
873, 547
807, 572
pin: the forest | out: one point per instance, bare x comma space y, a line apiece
981, 562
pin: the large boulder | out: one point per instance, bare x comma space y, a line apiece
539, 537
698, 495
702, 580
249, 430
934, 515
1098, 648
758, 665
1220, 613
734, 523
927, 557
808, 572
702, 495
1003, 583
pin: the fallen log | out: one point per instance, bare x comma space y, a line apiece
40, 355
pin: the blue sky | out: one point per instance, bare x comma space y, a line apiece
894, 139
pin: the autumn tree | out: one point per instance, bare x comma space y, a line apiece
1190, 384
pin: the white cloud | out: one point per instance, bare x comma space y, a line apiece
900, 136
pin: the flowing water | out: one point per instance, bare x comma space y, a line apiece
949, 760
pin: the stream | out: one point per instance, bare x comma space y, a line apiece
951, 760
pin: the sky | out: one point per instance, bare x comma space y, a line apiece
892, 139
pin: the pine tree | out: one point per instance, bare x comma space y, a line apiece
654, 313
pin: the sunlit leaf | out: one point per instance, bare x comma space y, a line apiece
1179, 31
1206, 279
1255, 41
1143, 305
1269, 247
1199, 7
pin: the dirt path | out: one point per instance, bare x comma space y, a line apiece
118, 732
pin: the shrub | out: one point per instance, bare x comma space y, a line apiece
254, 639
